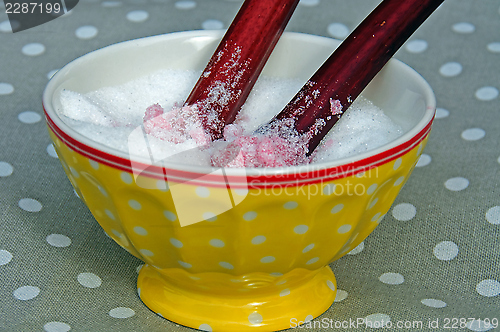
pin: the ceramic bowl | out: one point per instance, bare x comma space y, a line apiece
236, 249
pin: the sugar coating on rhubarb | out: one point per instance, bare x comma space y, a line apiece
173, 132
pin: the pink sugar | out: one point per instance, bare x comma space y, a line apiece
109, 115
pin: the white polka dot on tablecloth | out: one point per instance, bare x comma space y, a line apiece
486, 93
488, 288
111, 4
25, 293
337, 30
433, 303
450, 69
493, 47
391, 278
463, 27
358, 249
29, 117
255, 318
493, 215
121, 312
5, 257
5, 27
33, 49
58, 240
377, 320
341, 295
52, 73
30, 205
212, 25
441, 113
6, 169
89, 280
479, 325
205, 327
456, 184
86, 32
445, 250
473, 134
416, 46
424, 160
404, 211
137, 16
6, 88
185, 4
56, 327
51, 151
309, 3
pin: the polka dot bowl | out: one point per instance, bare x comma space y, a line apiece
236, 249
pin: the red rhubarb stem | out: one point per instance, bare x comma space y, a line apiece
236, 64
331, 90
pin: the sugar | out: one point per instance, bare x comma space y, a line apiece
111, 114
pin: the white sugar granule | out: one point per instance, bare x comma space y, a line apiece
109, 116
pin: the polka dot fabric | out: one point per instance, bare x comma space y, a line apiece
435, 244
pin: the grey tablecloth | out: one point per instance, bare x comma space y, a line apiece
435, 257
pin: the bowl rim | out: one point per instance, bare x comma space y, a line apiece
311, 172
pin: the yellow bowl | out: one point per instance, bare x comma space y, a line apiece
236, 249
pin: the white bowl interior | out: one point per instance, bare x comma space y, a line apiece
403, 94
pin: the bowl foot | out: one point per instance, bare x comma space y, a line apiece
251, 302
